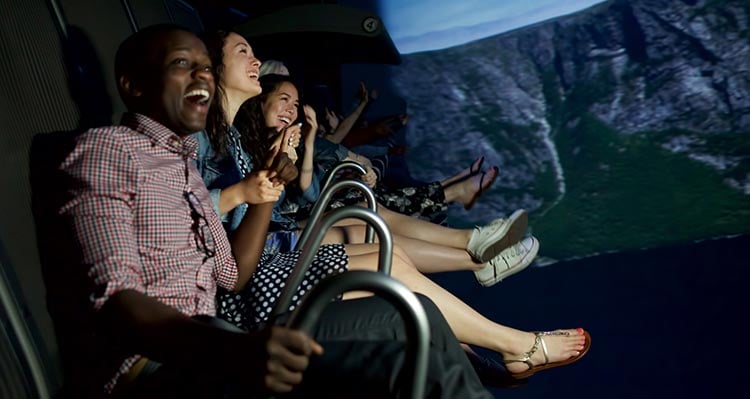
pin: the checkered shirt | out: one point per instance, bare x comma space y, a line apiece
133, 222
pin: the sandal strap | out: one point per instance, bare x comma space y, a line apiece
526, 358
556, 332
541, 334
472, 172
538, 341
544, 348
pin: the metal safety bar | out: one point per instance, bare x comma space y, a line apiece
309, 250
414, 369
325, 198
338, 168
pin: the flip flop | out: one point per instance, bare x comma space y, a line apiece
479, 161
539, 341
481, 187
474, 169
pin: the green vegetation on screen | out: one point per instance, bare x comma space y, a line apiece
627, 192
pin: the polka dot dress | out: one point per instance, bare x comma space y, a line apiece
253, 304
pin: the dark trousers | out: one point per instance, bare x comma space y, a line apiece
363, 341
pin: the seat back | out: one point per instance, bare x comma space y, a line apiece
56, 61
22, 374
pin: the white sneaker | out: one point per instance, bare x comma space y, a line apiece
486, 242
508, 262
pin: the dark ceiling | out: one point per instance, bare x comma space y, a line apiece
341, 40
222, 14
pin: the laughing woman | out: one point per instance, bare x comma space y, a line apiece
433, 248
264, 270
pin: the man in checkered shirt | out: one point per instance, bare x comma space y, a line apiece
133, 254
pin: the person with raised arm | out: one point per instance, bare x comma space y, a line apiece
133, 253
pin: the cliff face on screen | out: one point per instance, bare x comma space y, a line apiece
625, 125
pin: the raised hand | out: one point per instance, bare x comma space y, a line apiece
333, 119
289, 136
281, 167
362, 95
257, 188
311, 125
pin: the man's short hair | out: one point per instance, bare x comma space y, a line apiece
137, 48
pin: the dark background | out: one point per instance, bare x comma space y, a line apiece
665, 322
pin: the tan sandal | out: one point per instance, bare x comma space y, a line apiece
539, 341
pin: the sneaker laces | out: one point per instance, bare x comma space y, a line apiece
516, 249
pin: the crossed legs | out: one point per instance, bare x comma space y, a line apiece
427, 256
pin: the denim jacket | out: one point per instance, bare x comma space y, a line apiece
220, 171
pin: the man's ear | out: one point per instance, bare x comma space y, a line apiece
129, 87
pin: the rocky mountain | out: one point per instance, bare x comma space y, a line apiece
628, 120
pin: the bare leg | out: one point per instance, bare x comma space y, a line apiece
352, 231
432, 258
342, 235
408, 226
482, 243
471, 327
426, 256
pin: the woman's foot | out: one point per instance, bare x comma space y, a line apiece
476, 185
472, 170
510, 261
488, 241
533, 352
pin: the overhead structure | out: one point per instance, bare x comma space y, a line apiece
324, 33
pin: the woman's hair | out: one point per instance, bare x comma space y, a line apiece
254, 135
216, 122
250, 121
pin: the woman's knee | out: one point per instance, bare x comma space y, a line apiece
355, 234
402, 259
398, 251
334, 236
